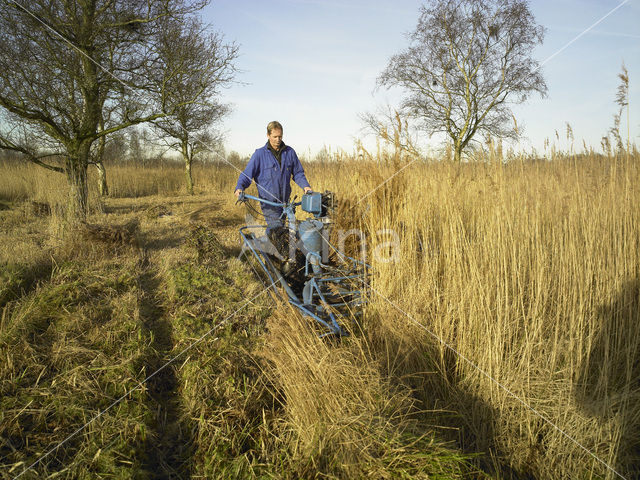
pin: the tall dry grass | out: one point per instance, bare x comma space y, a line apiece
518, 280
513, 303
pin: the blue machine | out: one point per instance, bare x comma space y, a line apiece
321, 282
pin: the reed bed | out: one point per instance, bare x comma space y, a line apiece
501, 332
518, 284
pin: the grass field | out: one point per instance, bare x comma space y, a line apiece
501, 339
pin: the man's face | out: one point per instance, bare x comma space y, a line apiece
275, 138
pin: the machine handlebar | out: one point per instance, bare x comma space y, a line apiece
243, 197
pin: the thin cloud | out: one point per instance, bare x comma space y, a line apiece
601, 33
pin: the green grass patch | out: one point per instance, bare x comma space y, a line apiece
222, 387
70, 349
16, 279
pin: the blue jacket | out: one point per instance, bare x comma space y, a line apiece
273, 180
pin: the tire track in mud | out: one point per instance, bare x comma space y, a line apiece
168, 445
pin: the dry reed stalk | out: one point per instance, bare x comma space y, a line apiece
524, 265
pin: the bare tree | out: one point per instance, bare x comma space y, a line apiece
63, 63
467, 62
197, 64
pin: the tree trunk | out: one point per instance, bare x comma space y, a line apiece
189, 178
187, 166
76, 170
103, 187
457, 153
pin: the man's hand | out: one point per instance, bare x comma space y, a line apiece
238, 192
308, 190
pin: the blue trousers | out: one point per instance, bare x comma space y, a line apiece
273, 217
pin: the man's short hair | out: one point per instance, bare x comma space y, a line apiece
275, 125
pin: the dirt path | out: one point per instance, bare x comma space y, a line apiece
168, 444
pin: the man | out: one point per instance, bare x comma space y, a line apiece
272, 168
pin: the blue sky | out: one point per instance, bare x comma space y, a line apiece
312, 65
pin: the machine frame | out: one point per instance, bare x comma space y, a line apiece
335, 285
